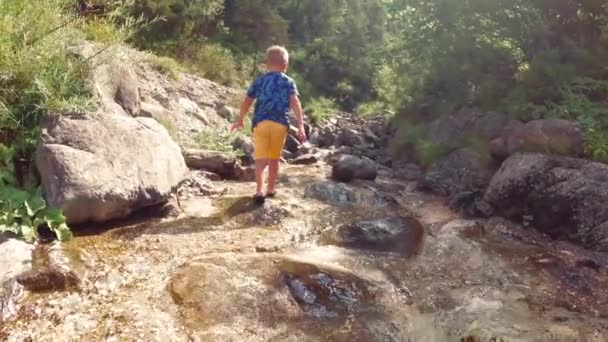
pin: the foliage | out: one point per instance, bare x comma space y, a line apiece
218, 64
166, 65
320, 109
21, 211
38, 74
216, 140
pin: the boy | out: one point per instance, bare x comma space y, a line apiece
275, 94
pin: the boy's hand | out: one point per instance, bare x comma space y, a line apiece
238, 125
302, 134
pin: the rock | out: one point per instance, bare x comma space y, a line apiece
225, 111
490, 126
244, 173
349, 137
244, 144
198, 183
292, 144
395, 234
15, 258
407, 171
323, 137
550, 136
48, 279
349, 167
100, 167
127, 92
212, 161
306, 159
464, 170
288, 155
341, 194
563, 197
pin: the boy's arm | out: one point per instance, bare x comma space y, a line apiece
296, 106
245, 106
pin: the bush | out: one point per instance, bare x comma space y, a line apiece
38, 73
372, 108
320, 109
166, 65
218, 64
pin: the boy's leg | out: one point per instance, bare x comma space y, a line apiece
277, 141
262, 144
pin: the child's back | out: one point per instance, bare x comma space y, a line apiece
272, 92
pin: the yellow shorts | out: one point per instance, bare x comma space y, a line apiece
269, 139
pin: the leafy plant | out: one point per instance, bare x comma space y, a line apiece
167, 65
21, 211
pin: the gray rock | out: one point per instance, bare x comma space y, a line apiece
225, 111
350, 167
342, 194
244, 173
564, 197
127, 92
464, 170
349, 137
244, 144
395, 234
212, 161
549, 136
306, 159
292, 144
100, 167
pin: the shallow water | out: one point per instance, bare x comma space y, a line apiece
225, 270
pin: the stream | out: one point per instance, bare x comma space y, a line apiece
323, 261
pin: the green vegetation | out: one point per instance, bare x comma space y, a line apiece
216, 140
320, 109
23, 211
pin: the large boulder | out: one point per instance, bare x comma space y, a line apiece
462, 176
349, 137
213, 161
564, 197
550, 136
350, 167
468, 122
464, 170
99, 167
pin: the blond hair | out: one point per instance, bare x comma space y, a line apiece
277, 55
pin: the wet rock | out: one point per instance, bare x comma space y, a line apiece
212, 161
93, 176
342, 194
325, 292
349, 167
48, 279
198, 183
244, 173
564, 197
15, 257
551, 136
243, 144
306, 159
403, 235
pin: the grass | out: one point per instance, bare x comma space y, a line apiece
216, 140
166, 65
320, 109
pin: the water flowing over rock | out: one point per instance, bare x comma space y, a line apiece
99, 167
395, 234
564, 197
342, 194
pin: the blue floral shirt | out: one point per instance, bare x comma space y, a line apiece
272, 92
